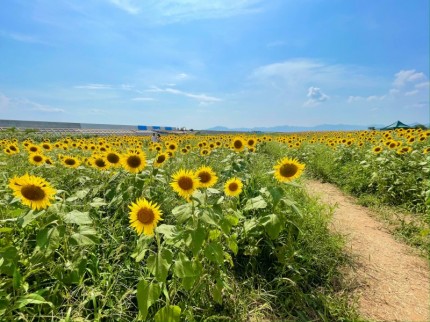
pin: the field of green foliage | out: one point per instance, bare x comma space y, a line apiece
193, 228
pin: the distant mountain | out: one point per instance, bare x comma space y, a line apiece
288, 128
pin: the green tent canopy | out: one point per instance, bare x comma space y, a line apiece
396, 125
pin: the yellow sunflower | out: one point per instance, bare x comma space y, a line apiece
377, 149
238, 144
113, 158
13, 149
33, 148
36, 159
33, 191
205, 152
233, 187
70, 161
144, 216
185, 182
134, 162
99, 162
288, 169
160, 159
207, 177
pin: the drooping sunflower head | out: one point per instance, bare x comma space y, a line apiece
134, 162
288, 169
144, 216
426, 150
33, 191
207, 177
185, 182
36, 159
233, 187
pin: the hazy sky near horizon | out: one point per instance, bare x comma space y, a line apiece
198, 64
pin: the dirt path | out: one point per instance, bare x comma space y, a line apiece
393, 281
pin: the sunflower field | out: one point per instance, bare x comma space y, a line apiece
193, 228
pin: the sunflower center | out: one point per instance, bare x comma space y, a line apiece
288, 170
113, 158
134, 161
33, 149
46, 146
70, 162
172, 147
237, 144
205, 177
100, 163
161, 158
145, 216
32, 192
233, 186
185, 183
12, 147
37, 158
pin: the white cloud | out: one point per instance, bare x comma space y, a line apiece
4, 101
300, 73
170, 11
406, 76
94, 86
375, 98
143, 99
130, 7
22, 37
202, 98
422, 85
182, 76
315, 96
411, 93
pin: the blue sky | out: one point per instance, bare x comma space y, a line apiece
198, 64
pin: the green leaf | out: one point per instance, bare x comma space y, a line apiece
169, 313
214, 252
17, 279
232, 244
182, 212
169, 231
250, 225
159, 264
255, 203
32, 298
98, 202
197, 238
142, 247
209, 218
277, 193
217, 292
147, 294
183, 267
77, 217
85, 236
273, 225
29, 217
47, 240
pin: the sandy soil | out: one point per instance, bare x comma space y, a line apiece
392, 280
